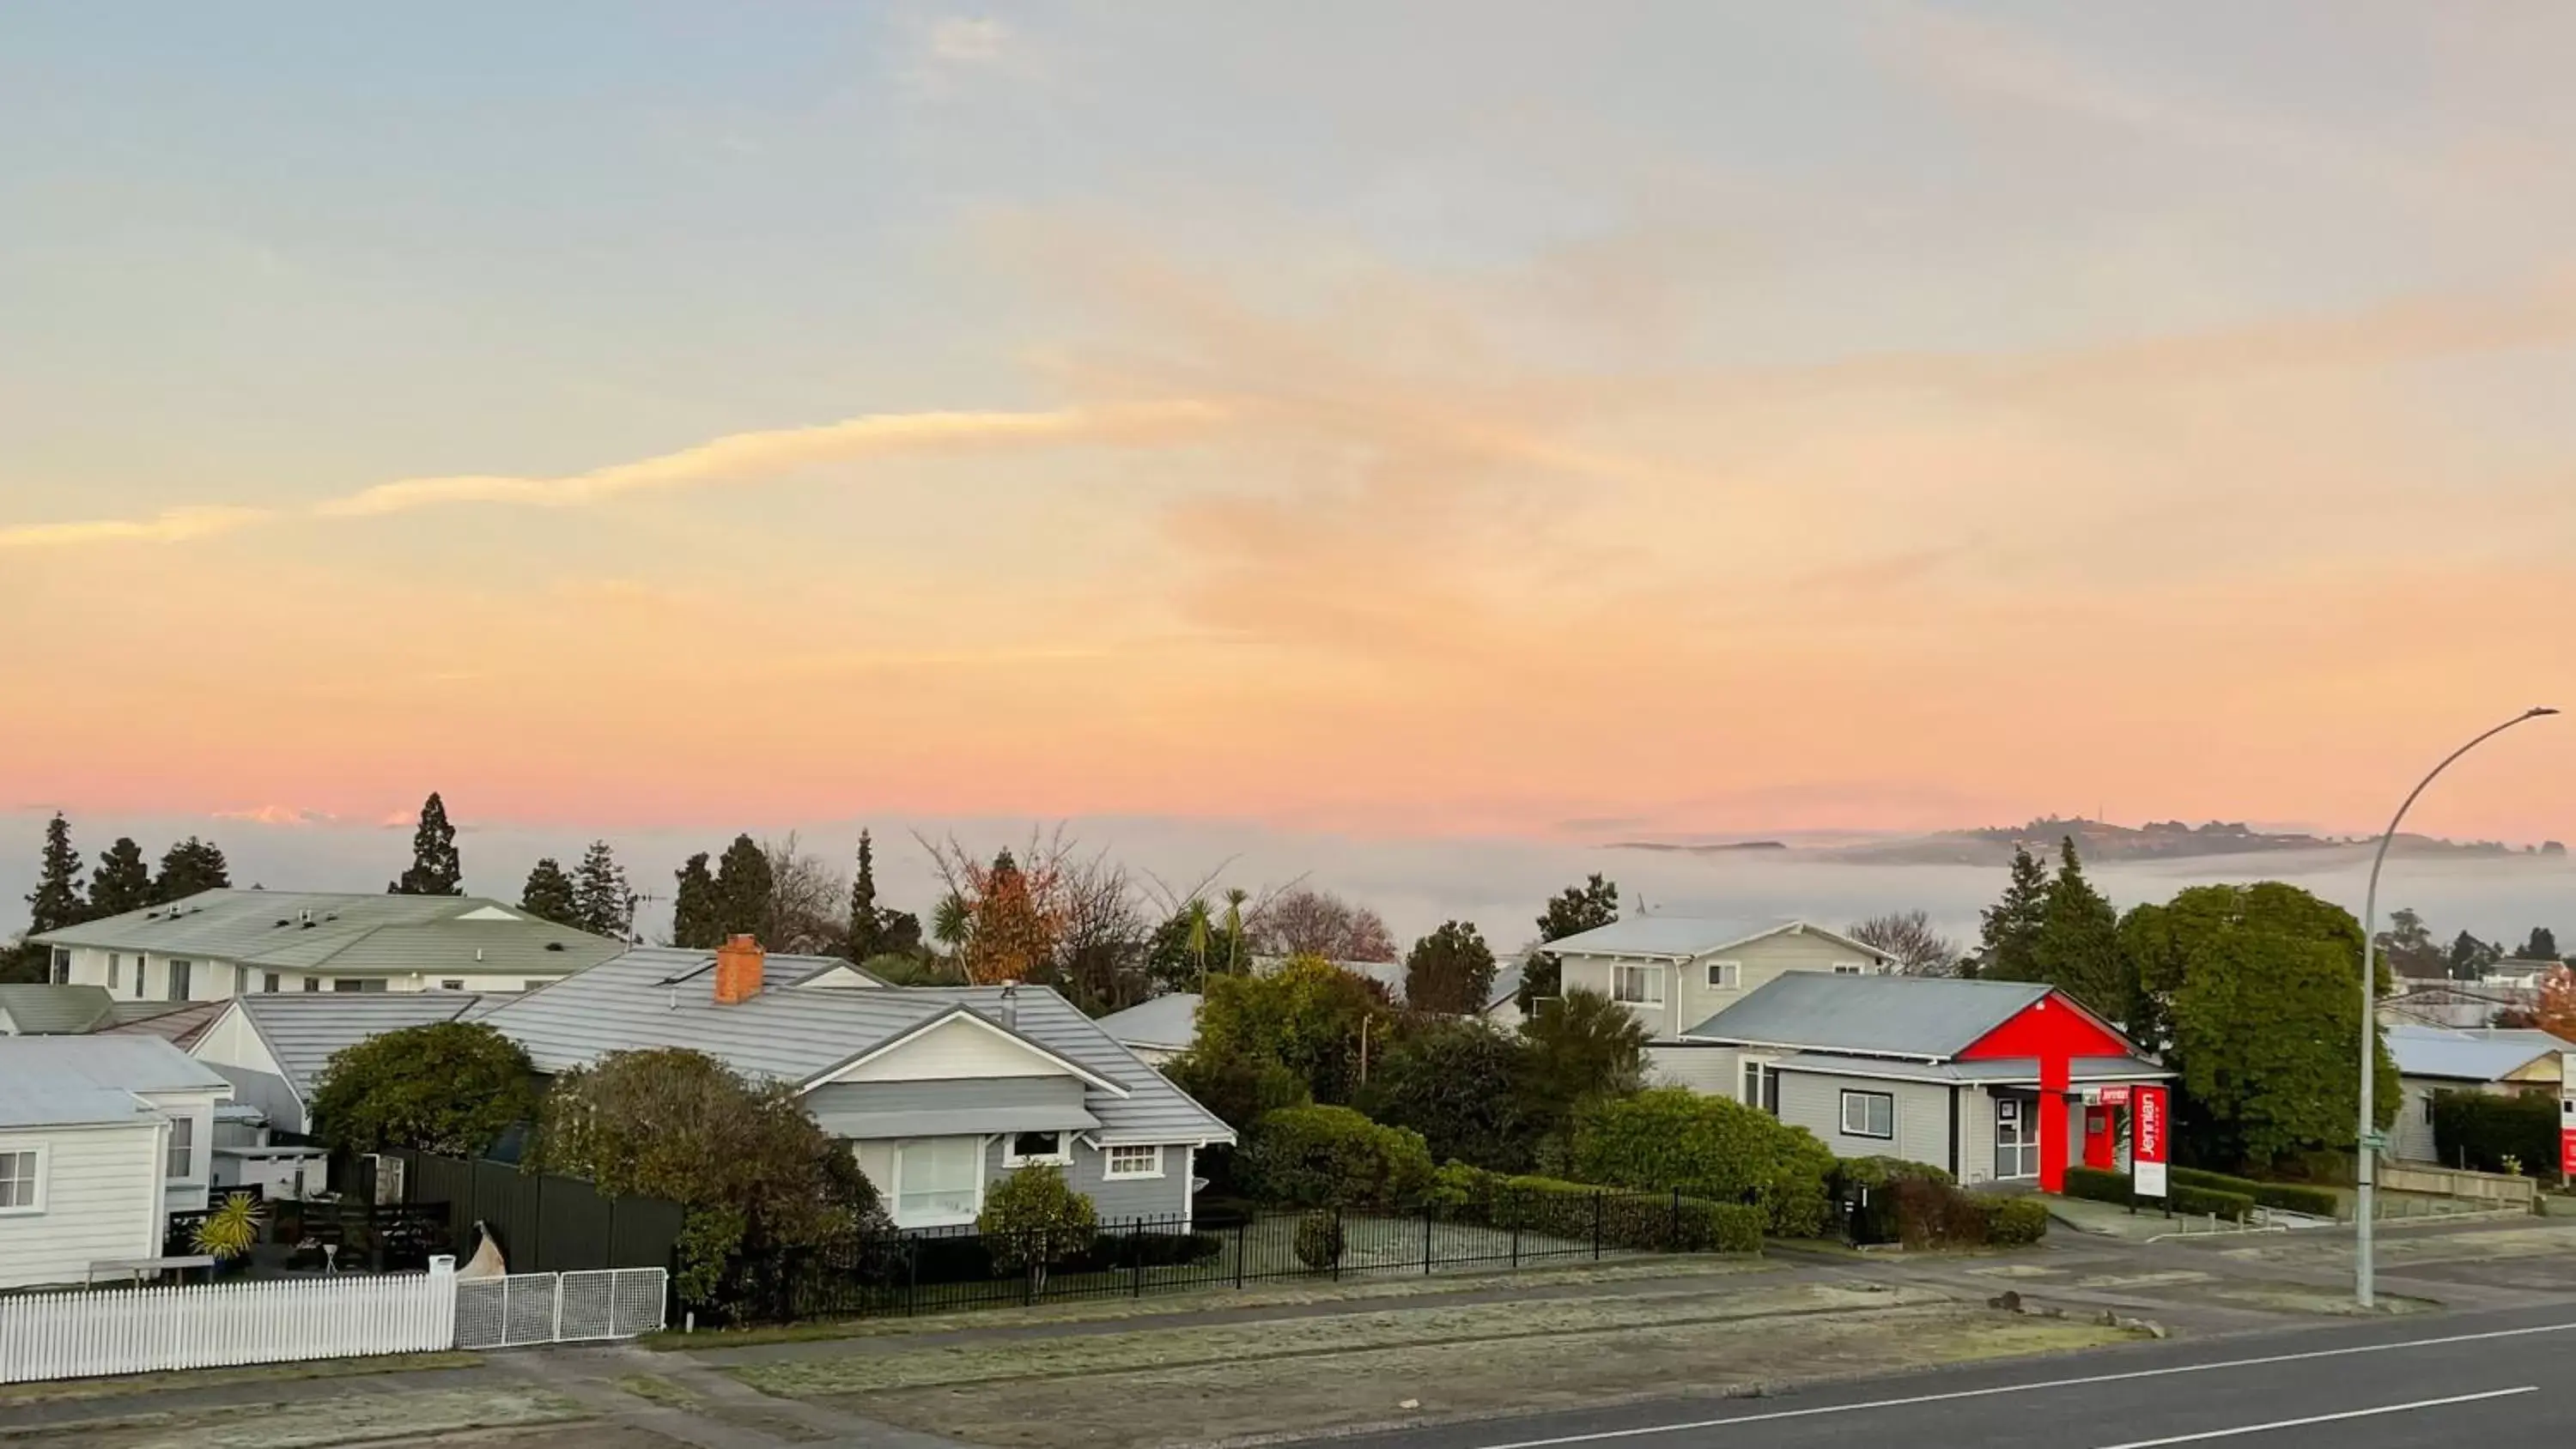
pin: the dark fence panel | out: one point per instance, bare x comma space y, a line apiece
542, 1224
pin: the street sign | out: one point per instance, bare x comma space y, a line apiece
2150, 1139
2374, 1141
2115, 1096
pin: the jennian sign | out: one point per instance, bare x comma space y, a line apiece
2149, 1145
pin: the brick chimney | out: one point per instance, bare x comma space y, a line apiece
738, 964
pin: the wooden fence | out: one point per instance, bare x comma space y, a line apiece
211, 1325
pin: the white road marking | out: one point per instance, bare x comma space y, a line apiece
2324, 1418
2001, 1389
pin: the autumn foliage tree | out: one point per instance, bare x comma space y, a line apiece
1015, 912
2556, 1010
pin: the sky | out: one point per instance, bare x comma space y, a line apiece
1489, 420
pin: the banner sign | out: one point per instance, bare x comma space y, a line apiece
2150, 1142
2115, 1096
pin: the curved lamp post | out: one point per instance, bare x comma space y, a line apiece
2367, 1155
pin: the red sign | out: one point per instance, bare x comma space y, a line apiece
2115, 1096
2567, 1151
2149, 1141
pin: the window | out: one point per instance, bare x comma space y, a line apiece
178, 981
2428, 1111
1850, 968
115, 972
241, 978
1869, 1114
139, 960
1135, 1162
20, 1180
312, 983
1637, 985
268, 982
1023, 1148
452, 983
938, 1181
63, 966
1725, 975
1762, 1086
357, 983
183, 1144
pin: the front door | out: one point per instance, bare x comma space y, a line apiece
2016, 1137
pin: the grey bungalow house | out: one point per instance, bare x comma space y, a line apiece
940, 1091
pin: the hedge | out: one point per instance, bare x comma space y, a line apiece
1674, 1139
2287, 1196
2097, 1185
967, 1258
2479, 1130
1659, 1222
1333, 1157
2014, 1221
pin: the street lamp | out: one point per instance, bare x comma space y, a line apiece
2367, 1142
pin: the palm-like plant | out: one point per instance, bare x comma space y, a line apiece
1198, 937
1234, 899
232, 1229
949, 923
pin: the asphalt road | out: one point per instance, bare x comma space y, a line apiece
2448, 1380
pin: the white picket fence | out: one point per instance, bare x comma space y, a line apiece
532, 1308
213, 1325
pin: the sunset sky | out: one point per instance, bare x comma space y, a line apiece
1420, 419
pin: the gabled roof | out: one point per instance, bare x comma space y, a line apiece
302, 1029
973, 1020
358, 934
659, 996
40, 1010
1681, 937
179, 1023
121, 1063
1167, 1023
2468, 1056
1927, 1017
2004, 1071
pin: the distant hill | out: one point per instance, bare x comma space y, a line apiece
2099, 840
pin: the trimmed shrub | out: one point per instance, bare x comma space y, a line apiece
2479, 1130
2012, 1222
1033, 1220
1876, 1172
1708, 1147
1866, 1187
1319, 1239
2195, 1202
2096, 1184
1333, 1157
2287, 1196
1658, 1222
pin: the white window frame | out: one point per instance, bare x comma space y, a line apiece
116, 971
896, 1206
1061, 1157
140, 960
1725, 975
1851, 968
60, 972
1112, 1171
1865, 1099
179, 1164
268, 982
1757, 1083
452, 983
1648, 972
179, 980
35, 1151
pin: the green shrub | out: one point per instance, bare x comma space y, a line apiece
1877, 1172
2481, 1130
1867, 1187
1333, 1157
1033, 1219
1657, 1222
2015, 1221
2096, 1184
2196, 1202
1708, 1147
1319, 1238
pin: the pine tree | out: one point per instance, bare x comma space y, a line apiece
56, 901
603, 903
1585, 907
694, 918
548, 895
436, 868
122, 881
867, 925
2012, 923
743, 884
2077, 946
1450, 971
189, 868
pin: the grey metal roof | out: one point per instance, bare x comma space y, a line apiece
659, 996
358, 934
1170, 1022
2468, 1056
27, 1101
1507, 982
2006, 1071
302, 1029
108, 1061
39, 1010
1914, 1016
179, 1023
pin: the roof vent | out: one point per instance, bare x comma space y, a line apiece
1011, 1007
333, 916
308, 925
284, 921
554, 945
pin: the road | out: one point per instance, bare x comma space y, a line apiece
2466, 1379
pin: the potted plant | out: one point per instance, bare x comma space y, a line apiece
230, 1230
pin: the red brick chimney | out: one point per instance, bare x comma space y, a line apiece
738, 964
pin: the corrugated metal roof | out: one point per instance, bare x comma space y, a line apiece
41, 1102
657, 996
2468, 1056
359, 934
1916, 1016
1165, 1021
2002, 1070
119, 1063
304, 1028
463, 948
178, 1023
40, 1010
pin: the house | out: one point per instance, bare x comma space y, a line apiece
101, 1139
940, 1091
1156, 1029
2456, 1004
2432, 1060
1975, 1077
226, 943
1503, 998
246, 1154
1675, 971
272, 1048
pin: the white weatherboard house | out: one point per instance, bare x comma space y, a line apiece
2432, 1060
940, 1091
1675, 972
101, 1139
226, 943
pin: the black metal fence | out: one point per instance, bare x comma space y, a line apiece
947, 1270
542, 1224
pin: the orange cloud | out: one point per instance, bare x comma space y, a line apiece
176, 525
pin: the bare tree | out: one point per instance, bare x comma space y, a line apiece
1307, 922
1908, 936
808, 900
1100, 954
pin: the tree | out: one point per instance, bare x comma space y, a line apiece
2077, 947
1581, 1046
122, 882
1239, 1087
189, 868
742, 890
1012, 917
695, 920
2255, 992
2011, 925
949, 922
752, 1170
1033, 1220
1450, 971
1100, 954
1908, 936
436, 868
56, 901
1458, 1082
803, 907
867, 929
2407, 945
2542, 946
2470, 957
603, 903
1310, 1016
450, 1087
1577, 908
548, 894
2555, 1012
1309, 922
